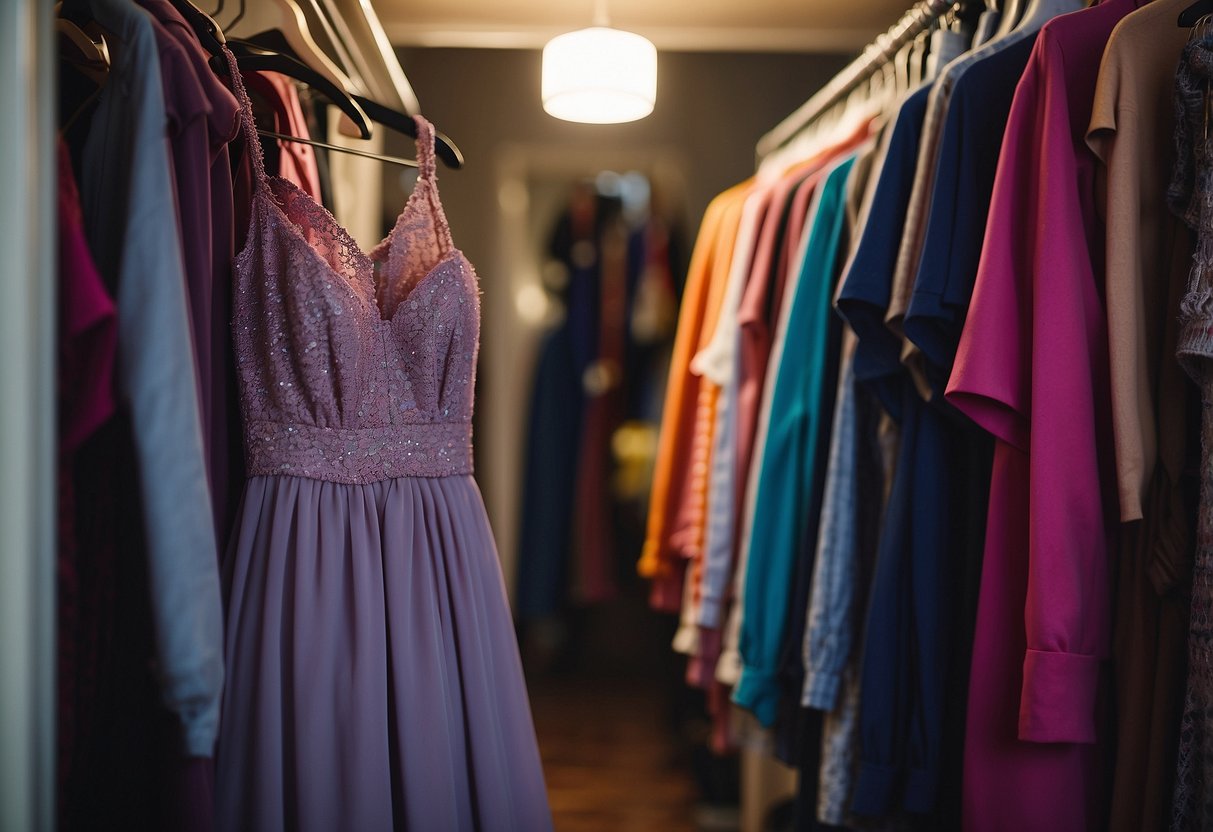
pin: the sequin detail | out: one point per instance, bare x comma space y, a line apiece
354, 367
354, 457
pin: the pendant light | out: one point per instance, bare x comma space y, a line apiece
599, 75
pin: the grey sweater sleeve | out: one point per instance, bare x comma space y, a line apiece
131, 218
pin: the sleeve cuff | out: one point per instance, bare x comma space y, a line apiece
821, 690
201, 731
710, 612
758, 692
686, 640
1058, 701
650, 562
728, 668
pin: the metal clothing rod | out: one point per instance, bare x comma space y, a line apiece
915, 21
408, 163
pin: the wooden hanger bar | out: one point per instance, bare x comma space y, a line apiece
878, 53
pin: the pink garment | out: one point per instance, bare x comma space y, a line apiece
296, 161
202, 121
758, 314
1032, 368
594, 531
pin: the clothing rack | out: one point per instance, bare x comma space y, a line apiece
917, 19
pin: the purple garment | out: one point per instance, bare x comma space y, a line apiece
202, 121
373, 676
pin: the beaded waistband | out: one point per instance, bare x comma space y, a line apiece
430, 449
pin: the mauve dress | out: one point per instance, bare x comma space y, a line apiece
373, 679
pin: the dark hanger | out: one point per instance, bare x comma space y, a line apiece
207, 30
399, 122
1192, 14
212, 39
82, 46
394, 120
250, 57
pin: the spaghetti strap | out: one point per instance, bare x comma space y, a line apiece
428, 178
247, 124
425, 148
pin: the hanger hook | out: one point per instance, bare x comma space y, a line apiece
237, 18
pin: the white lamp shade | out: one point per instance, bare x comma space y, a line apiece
599, 76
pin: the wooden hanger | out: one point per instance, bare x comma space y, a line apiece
367, 38
85, 48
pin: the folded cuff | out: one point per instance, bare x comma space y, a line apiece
758, 692
821, 690
201, 730
728, 668
1058, 701
649, 565
710, 612
686, 640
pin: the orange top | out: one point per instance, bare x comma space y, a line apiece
701, 302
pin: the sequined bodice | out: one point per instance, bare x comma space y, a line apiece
353, 367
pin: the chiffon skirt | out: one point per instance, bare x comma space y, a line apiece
373, 679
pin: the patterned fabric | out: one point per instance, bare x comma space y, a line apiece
1191, 197
830, 624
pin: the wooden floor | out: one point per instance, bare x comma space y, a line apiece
608, 759
608, 727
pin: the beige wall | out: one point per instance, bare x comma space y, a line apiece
711, 109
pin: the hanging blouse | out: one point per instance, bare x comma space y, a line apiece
1032, 370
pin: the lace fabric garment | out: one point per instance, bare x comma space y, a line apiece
373, 678
1191, 198
338, 351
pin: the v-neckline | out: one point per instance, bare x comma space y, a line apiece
364, 269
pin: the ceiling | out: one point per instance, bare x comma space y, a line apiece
691, 25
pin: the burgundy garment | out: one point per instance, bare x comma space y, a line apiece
88, 328
594, 521
203, 121
87, 345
